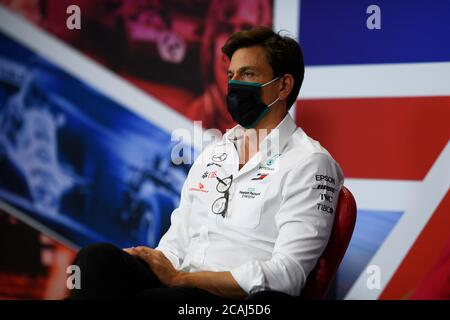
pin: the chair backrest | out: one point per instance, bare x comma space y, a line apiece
321, 277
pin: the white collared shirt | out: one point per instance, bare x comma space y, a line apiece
280, 211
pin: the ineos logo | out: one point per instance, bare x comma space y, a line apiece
219, 157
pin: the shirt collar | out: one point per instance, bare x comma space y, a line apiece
270, 145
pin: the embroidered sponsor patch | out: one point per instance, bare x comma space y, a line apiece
325, 208
200, 187
260, 176
249, 193
214, 164
219, 157
209, 174
325, 204
271, 161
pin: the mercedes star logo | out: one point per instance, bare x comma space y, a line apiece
219, 157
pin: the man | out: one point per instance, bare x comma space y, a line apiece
256, 209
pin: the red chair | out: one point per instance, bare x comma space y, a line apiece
321, 277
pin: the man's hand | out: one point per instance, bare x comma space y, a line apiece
219, 283
159, 264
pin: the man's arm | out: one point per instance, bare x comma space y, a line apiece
303, 228
218, 283
175, 241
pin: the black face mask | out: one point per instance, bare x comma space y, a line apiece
244, 102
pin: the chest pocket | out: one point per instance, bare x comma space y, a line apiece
246, 205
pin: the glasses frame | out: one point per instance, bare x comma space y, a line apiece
225, 197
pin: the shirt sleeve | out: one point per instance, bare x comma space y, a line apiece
304, 222
176, 239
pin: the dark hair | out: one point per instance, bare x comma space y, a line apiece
283, 54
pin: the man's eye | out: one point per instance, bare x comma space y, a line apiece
248, 74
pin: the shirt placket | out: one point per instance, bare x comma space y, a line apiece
231, 167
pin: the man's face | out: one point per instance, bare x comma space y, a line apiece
251, 65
